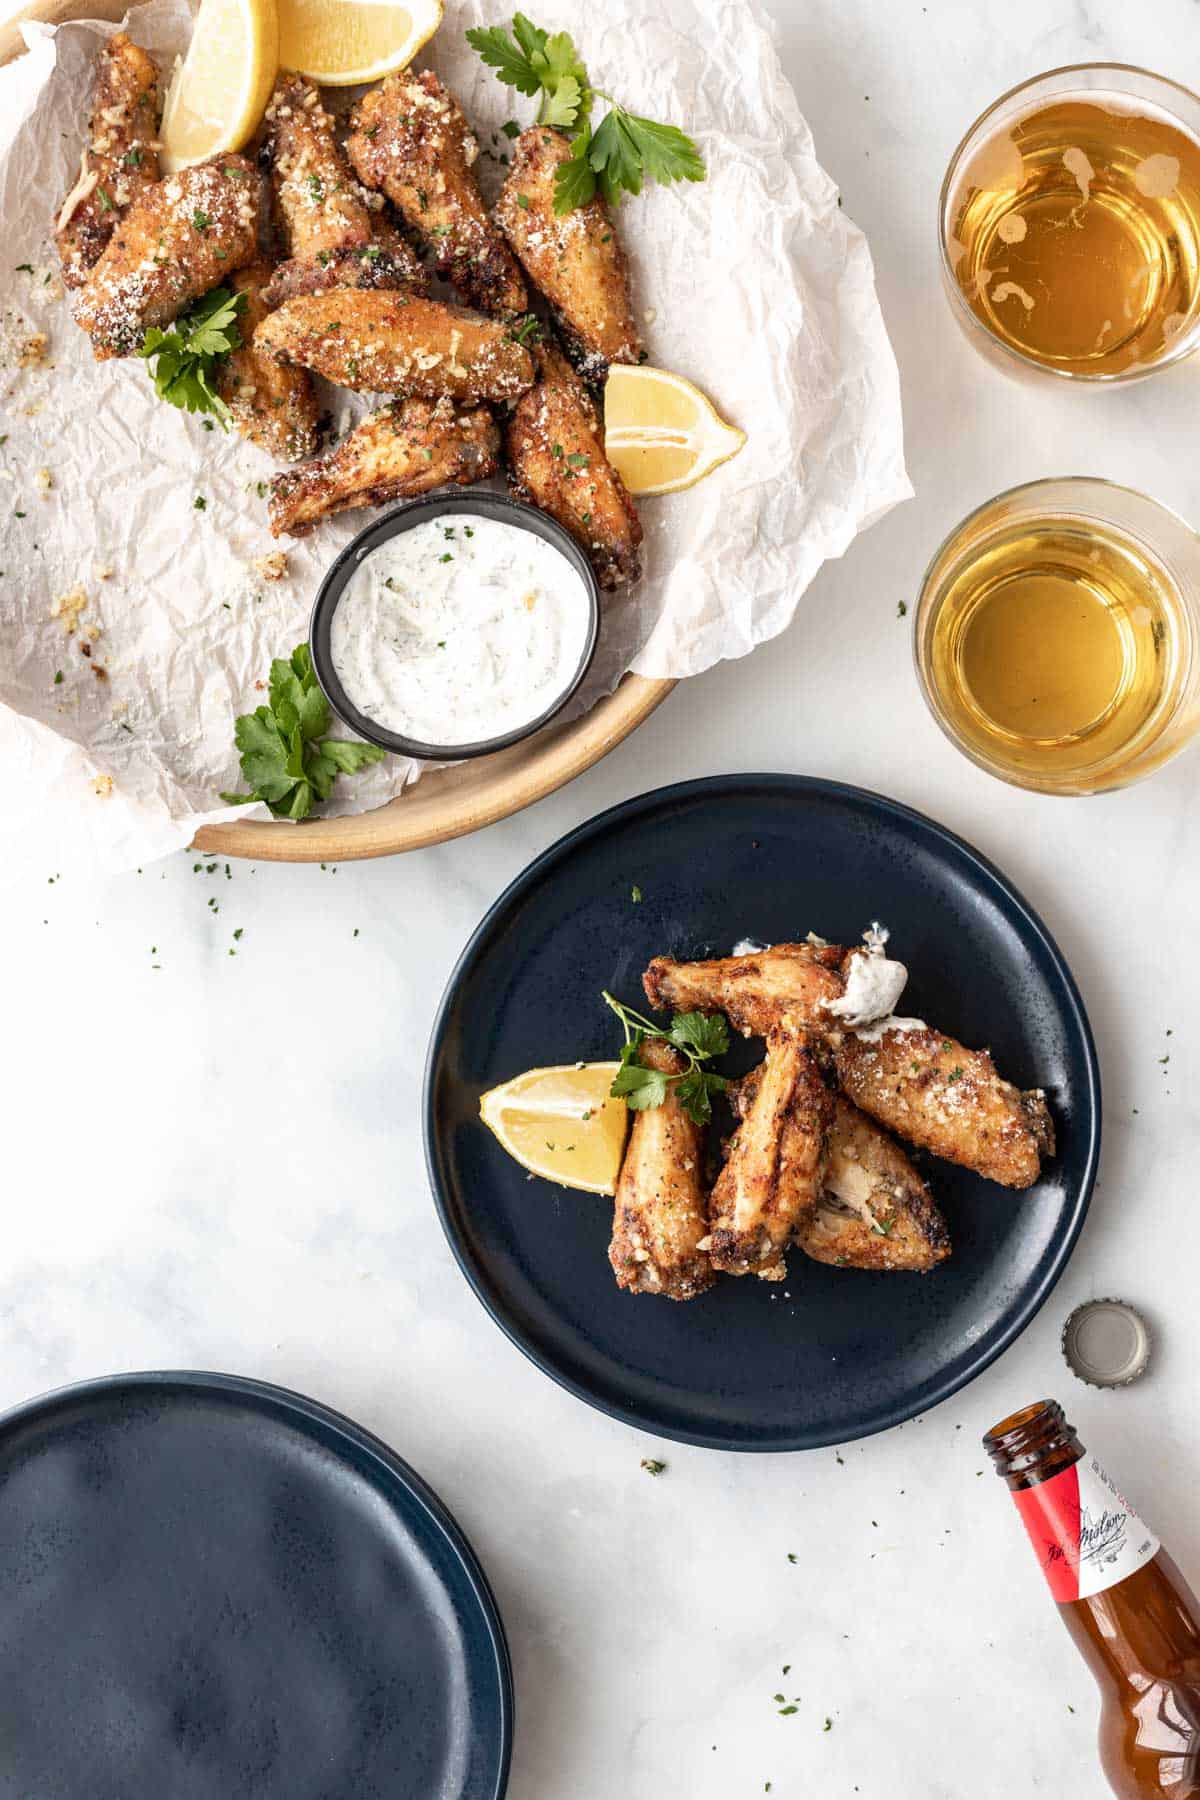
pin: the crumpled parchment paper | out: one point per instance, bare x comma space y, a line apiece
753, 283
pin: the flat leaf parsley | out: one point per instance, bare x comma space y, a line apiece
286, 758
623, 149
186, 358
697, 1036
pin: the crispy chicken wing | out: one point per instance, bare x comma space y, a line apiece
273, 404
180, 238
835, 1233
659, 1218
928, 1088
120, 159
410, 140
555, 447
405, 449
875, 1211
785, 982
774, 1173
575, 258
330, 225
390, 343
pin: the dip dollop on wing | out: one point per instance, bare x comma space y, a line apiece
555, 447
409, 140
182, 237
393, 343
273, 404
120, 159
405, 449
330, 226
575, 258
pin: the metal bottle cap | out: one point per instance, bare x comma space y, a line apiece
1106, 1343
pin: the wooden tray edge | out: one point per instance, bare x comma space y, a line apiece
450, 803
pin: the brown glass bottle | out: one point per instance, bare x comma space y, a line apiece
1134, 1619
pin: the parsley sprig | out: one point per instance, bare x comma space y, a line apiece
697, 1036
186, 358
286, 758
623, 149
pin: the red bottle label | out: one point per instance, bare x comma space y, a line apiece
1086, 1535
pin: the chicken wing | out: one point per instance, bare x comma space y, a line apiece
120, 159
928, 1088
773, 1176
575, 258
273, 405
838, 1235
390, 343
409, 140
659, 1218
554, 443
785, 982
405, 449
180, 238
330, 225
875, 1211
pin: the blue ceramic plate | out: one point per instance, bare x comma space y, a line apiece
212, 1587
829, 1354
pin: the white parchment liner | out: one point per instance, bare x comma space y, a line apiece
753, 283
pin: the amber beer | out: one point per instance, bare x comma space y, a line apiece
1134, 1619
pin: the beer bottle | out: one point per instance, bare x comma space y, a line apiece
1135, 1621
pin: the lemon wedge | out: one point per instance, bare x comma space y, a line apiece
561, 1123
340, 42
219, 92
661, 434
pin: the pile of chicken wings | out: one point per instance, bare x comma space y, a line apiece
333, 245
813, 1160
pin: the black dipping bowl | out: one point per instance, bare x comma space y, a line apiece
403, 518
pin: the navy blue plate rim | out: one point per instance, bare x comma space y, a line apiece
305, 1412
989, 878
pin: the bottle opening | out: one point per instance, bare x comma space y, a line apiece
1015, 1420
1033, 1443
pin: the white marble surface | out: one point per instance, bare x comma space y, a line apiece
216, 1162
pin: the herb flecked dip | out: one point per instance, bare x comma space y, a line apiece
460, 630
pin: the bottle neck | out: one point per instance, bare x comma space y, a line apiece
1033, 1444
1085, 1534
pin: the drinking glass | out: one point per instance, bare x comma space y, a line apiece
1057, 636
1069, 225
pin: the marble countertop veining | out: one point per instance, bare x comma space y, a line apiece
193, 1179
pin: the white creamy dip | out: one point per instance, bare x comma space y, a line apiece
459, 630
874, 982
875, 1034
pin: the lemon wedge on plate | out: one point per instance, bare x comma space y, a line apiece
340, 42
661, 434
219, 92
561, 1123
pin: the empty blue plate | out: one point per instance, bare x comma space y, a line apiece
829, 1354
218, 1590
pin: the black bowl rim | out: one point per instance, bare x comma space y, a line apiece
307, 1412
991, 880
403, 518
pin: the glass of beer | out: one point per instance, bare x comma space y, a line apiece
1057, 636
1070, 224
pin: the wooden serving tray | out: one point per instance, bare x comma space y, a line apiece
445, 803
